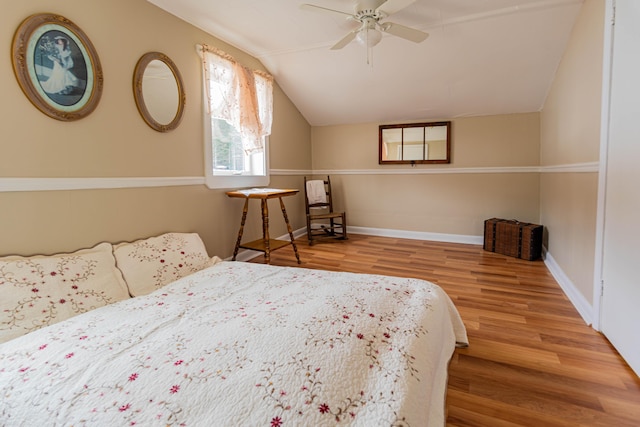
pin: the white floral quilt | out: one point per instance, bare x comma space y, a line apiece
241, 344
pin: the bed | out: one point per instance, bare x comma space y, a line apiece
231, 343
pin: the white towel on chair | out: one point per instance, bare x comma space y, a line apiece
316, 192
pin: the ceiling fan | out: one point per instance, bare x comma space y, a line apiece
369, 13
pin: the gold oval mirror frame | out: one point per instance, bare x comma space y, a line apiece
158, 91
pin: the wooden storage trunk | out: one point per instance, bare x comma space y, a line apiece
513, 238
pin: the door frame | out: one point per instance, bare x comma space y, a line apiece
605, 111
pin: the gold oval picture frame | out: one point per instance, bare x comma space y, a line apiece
57, 67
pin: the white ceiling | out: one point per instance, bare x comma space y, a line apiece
482, 57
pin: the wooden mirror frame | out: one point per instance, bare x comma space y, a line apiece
381, 148
138, 75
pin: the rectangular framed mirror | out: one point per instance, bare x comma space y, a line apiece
415, 143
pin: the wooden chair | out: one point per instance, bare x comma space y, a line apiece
322, 221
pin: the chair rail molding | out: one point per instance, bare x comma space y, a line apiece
62, 184
588, 167
12, 184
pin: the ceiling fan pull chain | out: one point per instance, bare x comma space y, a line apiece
368, 47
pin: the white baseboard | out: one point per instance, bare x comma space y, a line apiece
577, 299
418, 235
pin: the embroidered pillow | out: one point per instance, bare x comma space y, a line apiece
149, 264
41, 290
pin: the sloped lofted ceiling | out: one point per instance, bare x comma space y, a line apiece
482, 57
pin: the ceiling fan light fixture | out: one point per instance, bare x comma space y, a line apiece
369, 37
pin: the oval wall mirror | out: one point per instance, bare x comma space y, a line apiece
158, 91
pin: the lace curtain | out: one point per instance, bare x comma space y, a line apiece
238, 95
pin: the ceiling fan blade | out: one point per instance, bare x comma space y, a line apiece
406, 33
314, 8
392, 6
345, 40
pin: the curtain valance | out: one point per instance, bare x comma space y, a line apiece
241, 96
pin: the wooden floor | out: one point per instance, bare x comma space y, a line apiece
532, 361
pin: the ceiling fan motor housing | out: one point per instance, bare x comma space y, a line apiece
364, 15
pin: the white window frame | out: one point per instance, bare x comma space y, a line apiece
222, 180
230, 181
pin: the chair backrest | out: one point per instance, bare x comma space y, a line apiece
313, 192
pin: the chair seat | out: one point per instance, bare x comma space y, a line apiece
327, 215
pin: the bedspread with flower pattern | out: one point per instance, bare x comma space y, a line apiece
241, 344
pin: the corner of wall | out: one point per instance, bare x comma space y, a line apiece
570, 290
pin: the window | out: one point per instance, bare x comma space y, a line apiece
238, 114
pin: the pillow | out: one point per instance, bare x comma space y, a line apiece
149, 264
41, 290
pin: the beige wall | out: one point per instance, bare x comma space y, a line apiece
113, 141
570, 133
416, 199
570, 120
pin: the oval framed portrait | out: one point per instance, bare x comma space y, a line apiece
57, 67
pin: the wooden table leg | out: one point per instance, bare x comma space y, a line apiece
265, 230
244, 218
289, 229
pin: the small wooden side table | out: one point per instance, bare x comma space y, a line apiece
266, 244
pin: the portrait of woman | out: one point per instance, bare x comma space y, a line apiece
60, 68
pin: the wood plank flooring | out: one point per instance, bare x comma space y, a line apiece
532, 361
